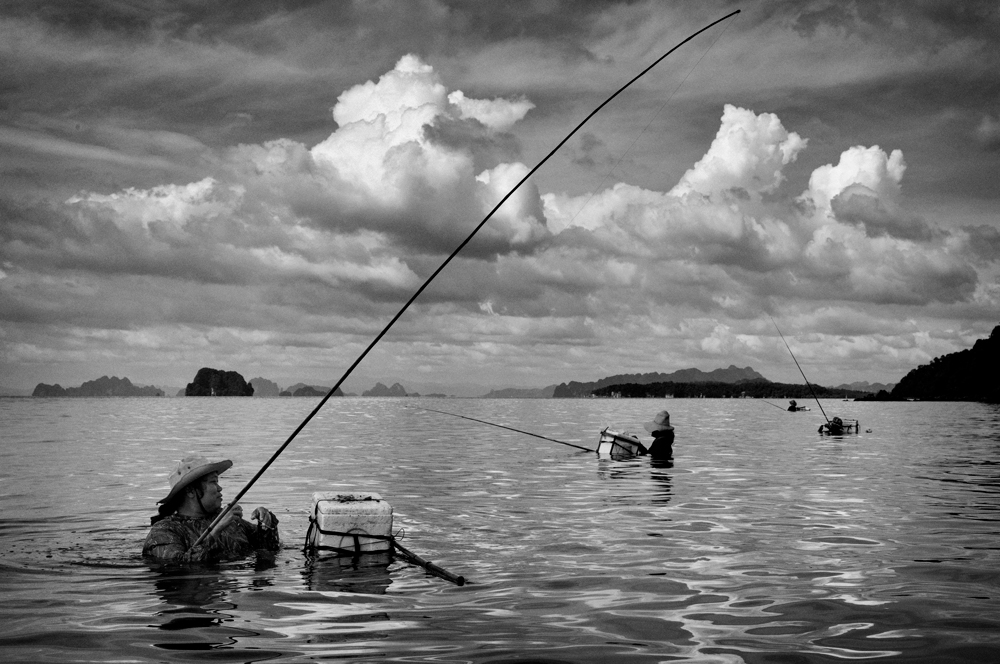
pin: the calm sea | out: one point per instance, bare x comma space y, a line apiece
763, 542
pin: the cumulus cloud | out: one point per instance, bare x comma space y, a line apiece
497, 114
354, 208
343, 210
847, 237
859, 205
747, 155
281, 235
870, 167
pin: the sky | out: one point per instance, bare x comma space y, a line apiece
261, 186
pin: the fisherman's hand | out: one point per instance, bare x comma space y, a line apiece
195, 554
265, 518
227, 519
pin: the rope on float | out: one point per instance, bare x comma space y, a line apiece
528, 433
405, 553
212, 527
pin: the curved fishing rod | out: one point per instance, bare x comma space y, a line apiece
528, 433
212, 527
801, 371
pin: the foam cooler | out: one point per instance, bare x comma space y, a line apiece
349, 523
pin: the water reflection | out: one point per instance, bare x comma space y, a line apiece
367, 574
659, 472
198, 605
201, 607
780, 544
192, 587
629, 471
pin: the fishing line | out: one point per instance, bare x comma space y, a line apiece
214, 525
492, 424
639, 135
801, 371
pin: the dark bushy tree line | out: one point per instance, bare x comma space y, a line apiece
968, 375
756, 389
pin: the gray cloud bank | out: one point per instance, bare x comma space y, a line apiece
284, 257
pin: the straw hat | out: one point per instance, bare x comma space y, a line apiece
660, 423
190, 469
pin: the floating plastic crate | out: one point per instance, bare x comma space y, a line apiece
619, 444
349, 523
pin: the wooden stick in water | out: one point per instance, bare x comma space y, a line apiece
428, 565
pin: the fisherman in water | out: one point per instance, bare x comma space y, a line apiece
193, 502
662, 446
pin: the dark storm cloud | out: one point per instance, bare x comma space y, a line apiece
984, 241
938, 21
487, 148
860, 206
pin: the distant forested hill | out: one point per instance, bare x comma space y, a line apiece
522, 393
968, 375
101, 387
731, 375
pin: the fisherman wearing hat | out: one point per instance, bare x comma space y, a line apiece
193, 502
662, 446
792, 406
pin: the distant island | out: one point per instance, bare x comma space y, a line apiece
381, 390
865, 386
210, 382
303, 390
262, 387
968, 375
102, 387
521, 393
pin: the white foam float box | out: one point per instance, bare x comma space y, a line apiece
350, 523
619, 443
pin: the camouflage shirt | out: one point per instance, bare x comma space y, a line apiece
171, 537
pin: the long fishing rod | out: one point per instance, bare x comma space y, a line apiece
420, 290
774, 404
801, 371
492, 424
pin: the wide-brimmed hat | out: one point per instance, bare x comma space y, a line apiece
190, 469
660, 423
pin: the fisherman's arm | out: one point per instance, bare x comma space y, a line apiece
171, 546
